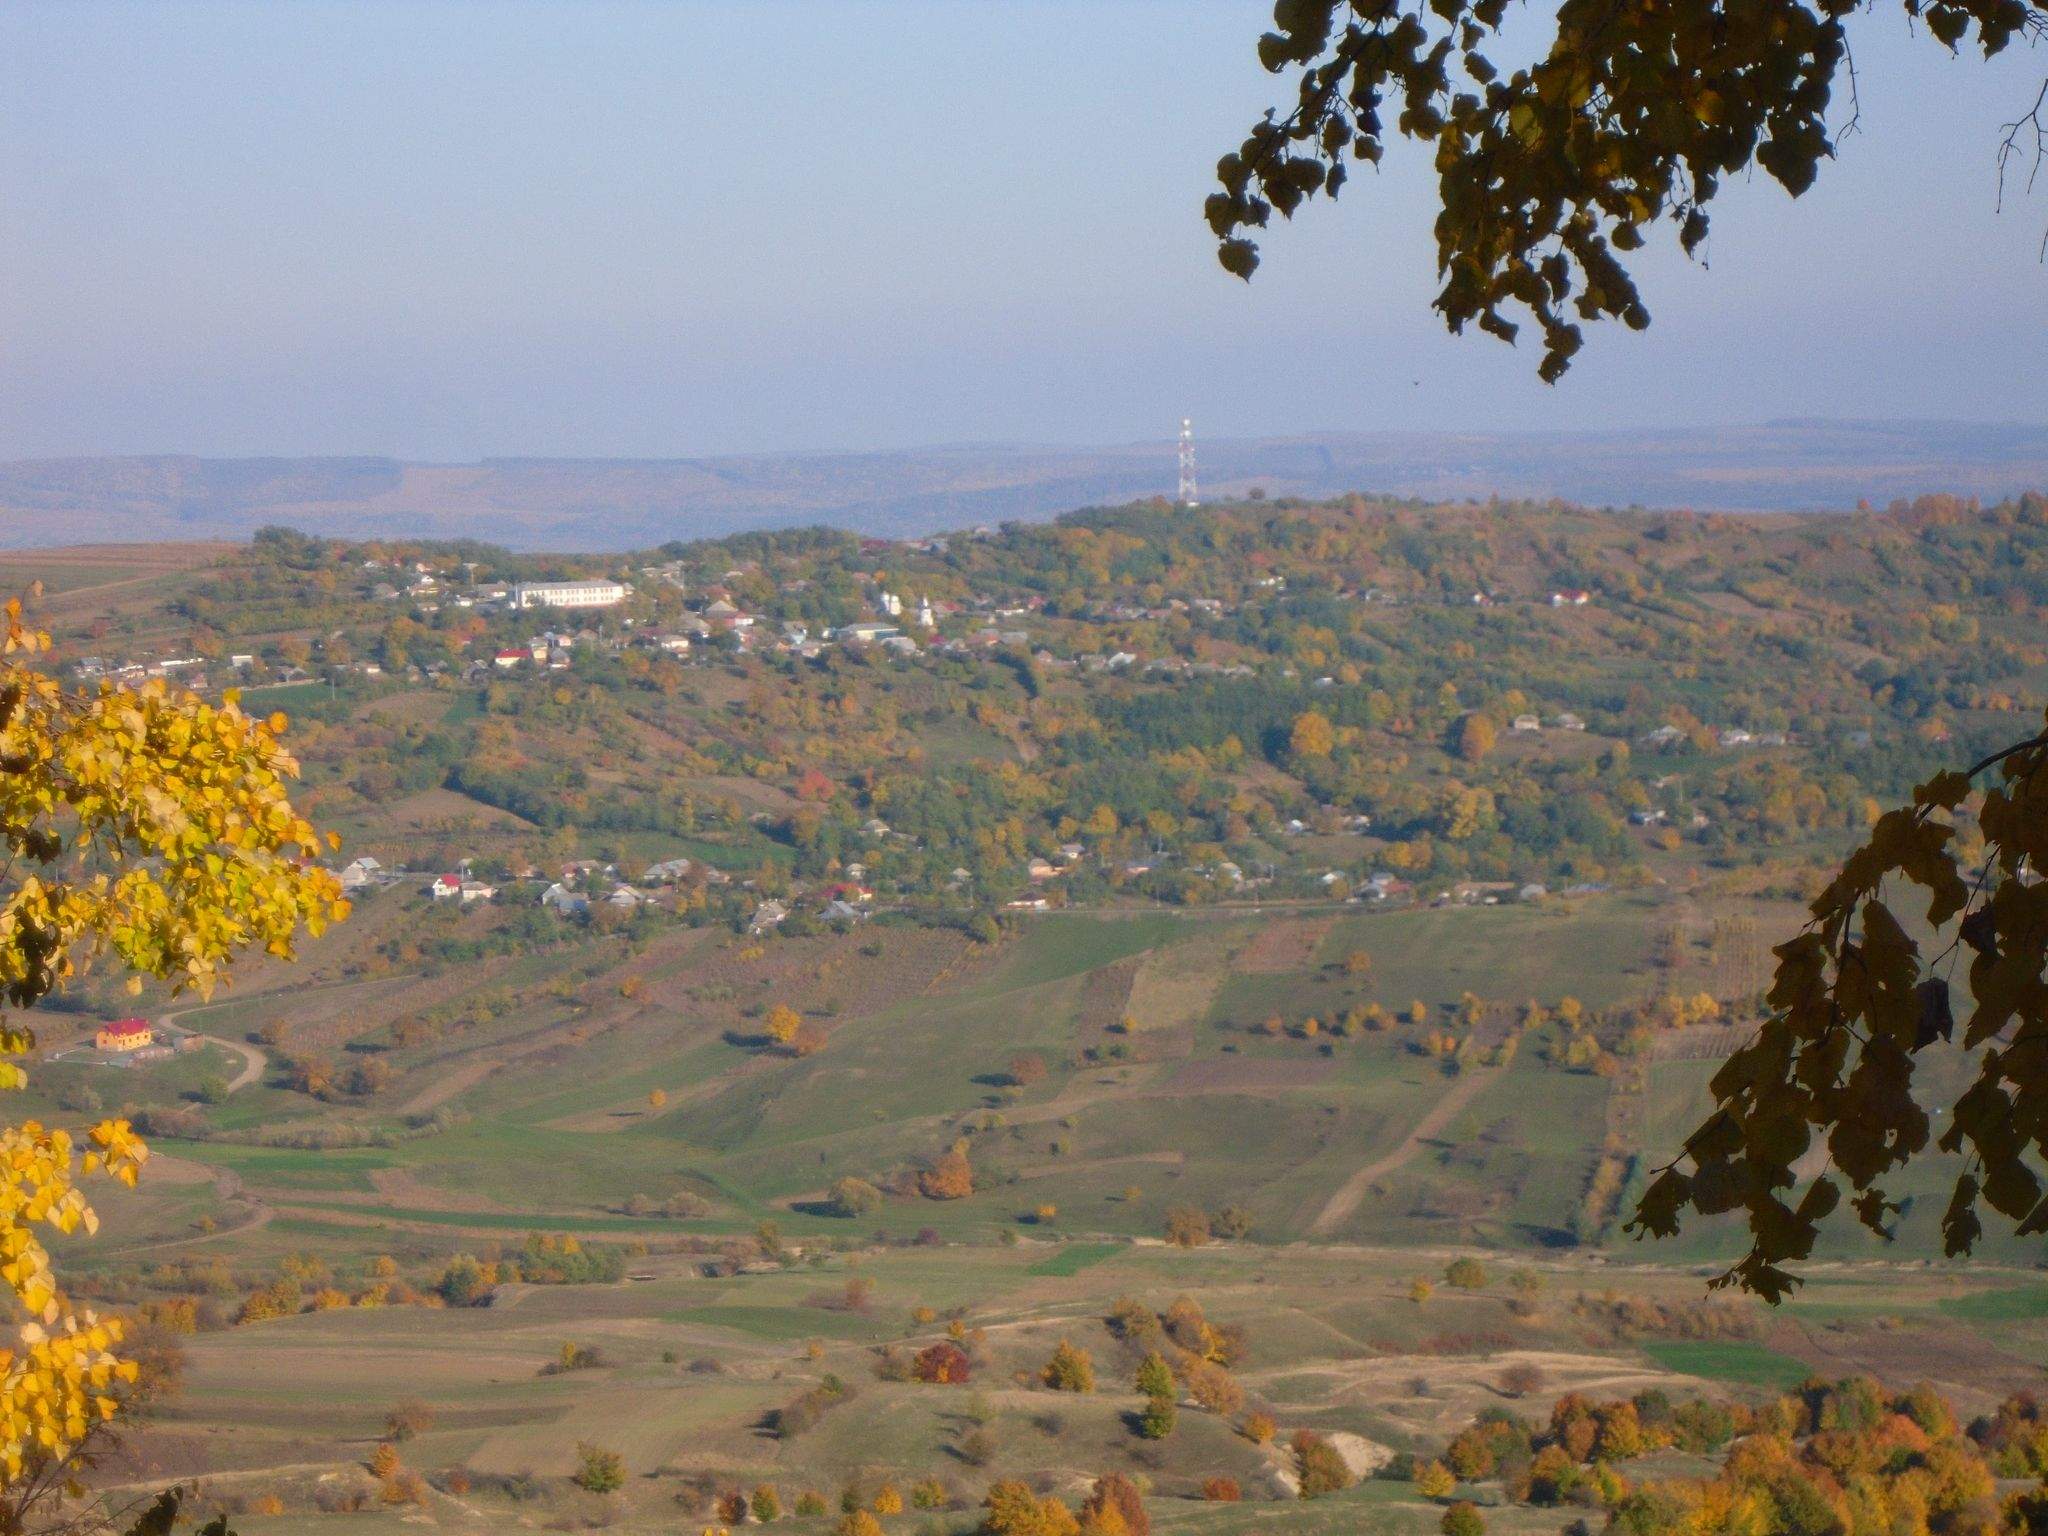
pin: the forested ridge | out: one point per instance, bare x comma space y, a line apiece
1172, 688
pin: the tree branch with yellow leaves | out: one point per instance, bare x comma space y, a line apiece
153, 827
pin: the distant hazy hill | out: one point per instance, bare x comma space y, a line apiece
617, 503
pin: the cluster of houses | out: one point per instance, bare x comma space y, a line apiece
906, 627
843, 901
1038, 870
459, 887
1175, 666
550, 652
1376, 889
1042, 871
718, 618
239, 669
582, 885
191, 671
1564, 597
1657, 816
1493, 893
421, 580
1529, 723
895, 629
184, 668
428, 585
1666, 736
1353, 823
899, 624
1130, 613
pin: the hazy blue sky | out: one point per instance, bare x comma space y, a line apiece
452, 230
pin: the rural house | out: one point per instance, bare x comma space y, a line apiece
124, 1035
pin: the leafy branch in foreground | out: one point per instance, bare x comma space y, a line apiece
1636, 114
161, 1517
1855, 1003
152, 826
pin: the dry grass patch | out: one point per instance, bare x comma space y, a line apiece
1285, 945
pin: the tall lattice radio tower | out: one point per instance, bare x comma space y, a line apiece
1186, 496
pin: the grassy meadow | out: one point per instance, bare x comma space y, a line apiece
611, 1068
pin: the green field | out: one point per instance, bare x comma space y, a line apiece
1736, 1361
542, 1113
1362, 1162
2021, 1304
773, 1324
1075, 1257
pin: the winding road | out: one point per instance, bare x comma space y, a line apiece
253, 1060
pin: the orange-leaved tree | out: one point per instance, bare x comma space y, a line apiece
783, 1022
951, 1177
151, 827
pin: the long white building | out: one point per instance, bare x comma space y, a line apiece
568, 594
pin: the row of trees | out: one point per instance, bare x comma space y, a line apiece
1830, 1457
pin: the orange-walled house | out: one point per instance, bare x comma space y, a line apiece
124, 1035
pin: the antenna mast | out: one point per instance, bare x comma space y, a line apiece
1187, 497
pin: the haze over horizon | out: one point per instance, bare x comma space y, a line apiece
940, 226
538, 502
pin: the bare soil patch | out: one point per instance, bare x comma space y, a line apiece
403, 1186
1098, 1164
1122, 1082
1452, 1388
1175, 988
627, 1113
751, 793
163, 1169
1235, 1074
1105, 1000
1701, 1042
442, 809
418, 707
1284, 945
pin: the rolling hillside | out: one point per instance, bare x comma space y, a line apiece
1289, 955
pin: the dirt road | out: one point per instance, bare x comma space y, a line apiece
1352, 1192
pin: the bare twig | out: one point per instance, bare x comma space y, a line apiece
2026, 138
1855, 122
